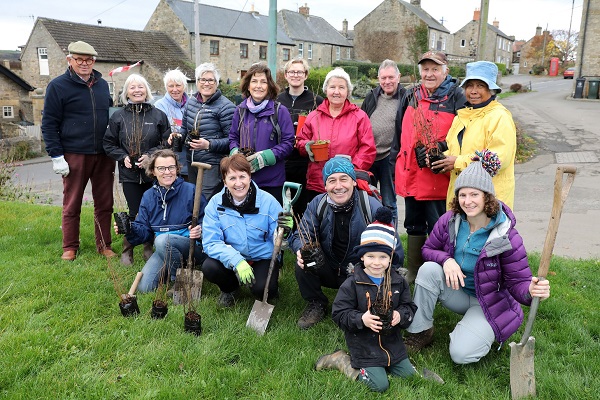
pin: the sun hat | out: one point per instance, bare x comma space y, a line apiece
337, 164
484, 71
436, 56
82, 48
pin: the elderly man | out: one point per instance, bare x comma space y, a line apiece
334, 219
382, 105
73, 124
298, 100
428, 110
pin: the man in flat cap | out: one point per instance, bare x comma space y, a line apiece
73, 124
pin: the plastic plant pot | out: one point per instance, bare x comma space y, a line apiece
193, 323
123, 222
313, 258
129, 306
177, 143
435, 155
320, 151
385, 315
159, 309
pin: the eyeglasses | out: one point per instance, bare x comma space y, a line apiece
296, 73
162, 170
210, 81
86, 61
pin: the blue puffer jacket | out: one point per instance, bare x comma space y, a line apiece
174, 111
325, 227
75, 115
258, 133
212, 120
231, 237
502, 273
165, 211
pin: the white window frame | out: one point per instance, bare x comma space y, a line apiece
444, 43
43, 61
286, 54
348, 53
301, 50
310, 54
432, 40
8, 112
338, 54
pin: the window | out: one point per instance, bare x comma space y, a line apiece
7, 112
500, 43
243, 50
262, 52
43, 60
337, 52
444, 43
286, 54
111, 88
463, 43
301, 50
310, 51
348, 54
214, 47
432, 40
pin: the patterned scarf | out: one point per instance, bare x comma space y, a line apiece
344, 208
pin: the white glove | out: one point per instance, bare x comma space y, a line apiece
60, 166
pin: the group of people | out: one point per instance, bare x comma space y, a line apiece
447, 148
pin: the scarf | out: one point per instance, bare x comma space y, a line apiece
344, 208
256, 108
248, 206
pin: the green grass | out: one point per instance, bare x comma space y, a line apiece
62, 335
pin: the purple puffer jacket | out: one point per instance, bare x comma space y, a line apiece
502, 273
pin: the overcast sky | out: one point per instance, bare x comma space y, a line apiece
516, 17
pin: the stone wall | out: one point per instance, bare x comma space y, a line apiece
16, 97
589, 46
470, 34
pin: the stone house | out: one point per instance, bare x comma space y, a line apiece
498, 45
528, 57
386, 31
319, 43
588, 52
232, 40
15, 103
44, 56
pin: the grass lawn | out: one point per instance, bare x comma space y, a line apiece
62, 335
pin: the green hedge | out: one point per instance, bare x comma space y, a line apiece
502, 68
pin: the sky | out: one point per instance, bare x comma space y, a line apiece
516, 17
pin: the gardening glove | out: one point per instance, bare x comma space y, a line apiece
421, 154
285, 222
442, 146
261, 159
244, 273
233, 151
311, 156
60, 166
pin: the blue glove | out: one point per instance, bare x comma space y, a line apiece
311, 156
233, 151
244, 273
261, 159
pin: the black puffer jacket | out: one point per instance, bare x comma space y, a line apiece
118, 140
212, 121
367, 348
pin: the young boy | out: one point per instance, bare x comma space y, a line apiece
373, 351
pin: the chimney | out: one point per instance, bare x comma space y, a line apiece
99, 22
304, 10
538, 31
476, 14
416, 3
496, 23
345, 27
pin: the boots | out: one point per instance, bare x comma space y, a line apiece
148, 250
127, 254
414, 342
338, 360
414, 258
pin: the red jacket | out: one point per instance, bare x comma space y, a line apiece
439, 111
349, 133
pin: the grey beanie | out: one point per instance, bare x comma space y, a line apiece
475, 176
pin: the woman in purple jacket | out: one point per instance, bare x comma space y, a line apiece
476, 266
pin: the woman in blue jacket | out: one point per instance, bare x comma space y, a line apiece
238, 228
166, 215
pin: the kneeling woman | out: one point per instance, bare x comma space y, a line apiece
166, 215
238, 228
477, 267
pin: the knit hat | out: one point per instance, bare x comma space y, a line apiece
82, 48
339, 163
479, 173
379, 235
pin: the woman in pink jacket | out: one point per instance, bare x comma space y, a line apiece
343, 124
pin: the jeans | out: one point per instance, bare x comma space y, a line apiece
171, 251
421, 215
382, 170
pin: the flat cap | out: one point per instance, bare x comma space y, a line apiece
436, 56
82, 48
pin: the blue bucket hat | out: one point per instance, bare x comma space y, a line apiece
337, 164
484, 71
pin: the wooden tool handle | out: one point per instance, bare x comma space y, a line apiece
134, 285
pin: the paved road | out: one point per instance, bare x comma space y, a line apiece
568, 131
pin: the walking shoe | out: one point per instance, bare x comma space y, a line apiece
226, 300
69, 255
108, 253
414, 342
312, 314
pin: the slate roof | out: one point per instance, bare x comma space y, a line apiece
15, 78
431, 22
499, 32
223, 22
310, 29
121, 45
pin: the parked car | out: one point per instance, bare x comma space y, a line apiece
569, 73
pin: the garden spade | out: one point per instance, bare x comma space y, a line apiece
522, 373
188, 281
261, 311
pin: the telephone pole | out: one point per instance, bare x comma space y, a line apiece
197, 31
483, 18
272, 49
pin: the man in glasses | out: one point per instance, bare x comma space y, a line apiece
73, 125
299, 100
